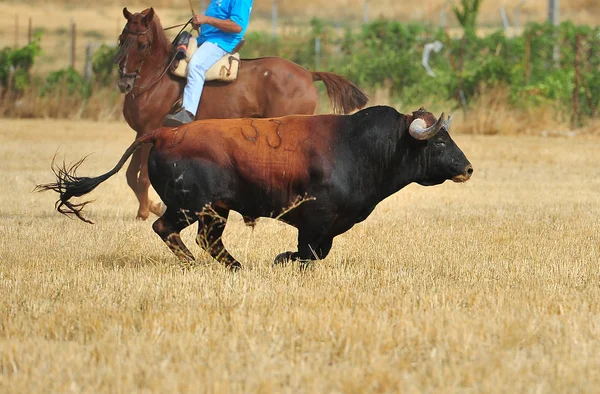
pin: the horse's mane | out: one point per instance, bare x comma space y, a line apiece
159, 34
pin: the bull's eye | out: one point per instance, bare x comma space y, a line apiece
440, 144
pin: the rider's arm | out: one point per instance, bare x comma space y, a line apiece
226, 25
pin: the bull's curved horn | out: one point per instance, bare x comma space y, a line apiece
418, 128
448, 123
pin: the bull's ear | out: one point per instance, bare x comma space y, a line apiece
127, 14
148, 17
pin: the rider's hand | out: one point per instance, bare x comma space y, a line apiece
199, 20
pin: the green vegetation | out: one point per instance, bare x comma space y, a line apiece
68, 81
15, 65
388, 54
102, 64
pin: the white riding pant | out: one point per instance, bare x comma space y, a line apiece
204, 58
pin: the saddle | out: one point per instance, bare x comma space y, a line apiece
225, 69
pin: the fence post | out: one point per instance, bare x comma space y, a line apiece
444, 14
274, 19
517, 14
16, 31
576, 87
527, 58
29, 31
87, 71
553, 17
73, 37
366, 12
505, 21
317, 53
443, 18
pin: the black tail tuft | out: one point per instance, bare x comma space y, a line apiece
69, 185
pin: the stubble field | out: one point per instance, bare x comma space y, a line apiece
488, 286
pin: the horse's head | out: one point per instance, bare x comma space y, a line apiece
135, 44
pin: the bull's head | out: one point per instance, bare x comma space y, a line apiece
440, 157
134, 47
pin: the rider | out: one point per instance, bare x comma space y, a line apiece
223, 27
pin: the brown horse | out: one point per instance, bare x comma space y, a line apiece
265, 87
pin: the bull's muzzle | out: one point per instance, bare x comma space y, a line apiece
465, 176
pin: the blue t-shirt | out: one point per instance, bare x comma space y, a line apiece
236, 10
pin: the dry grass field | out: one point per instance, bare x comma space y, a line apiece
489, 286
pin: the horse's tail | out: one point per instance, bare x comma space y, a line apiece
344, 95
69, 185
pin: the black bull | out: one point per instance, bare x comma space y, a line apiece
321, 174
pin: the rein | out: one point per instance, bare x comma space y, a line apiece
181, 24
136, 74
136, 33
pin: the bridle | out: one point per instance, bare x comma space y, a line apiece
136, 74
122, 70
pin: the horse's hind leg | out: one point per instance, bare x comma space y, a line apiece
211, 224
132, 181
156, 208
141, 183
169, 227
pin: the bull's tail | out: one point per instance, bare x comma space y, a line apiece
344, 95
69, 185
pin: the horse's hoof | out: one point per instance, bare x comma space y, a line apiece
158, 209
283, 258
235, 266
142, 216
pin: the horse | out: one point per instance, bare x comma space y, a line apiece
265, 87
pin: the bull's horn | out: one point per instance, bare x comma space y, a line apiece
418, 128
448, 123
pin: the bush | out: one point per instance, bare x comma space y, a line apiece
16, 63
66, 81
102, 64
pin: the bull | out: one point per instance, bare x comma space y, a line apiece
332, 170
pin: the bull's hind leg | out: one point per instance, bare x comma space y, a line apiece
211, 224
169, 227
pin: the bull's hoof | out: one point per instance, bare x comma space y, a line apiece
283, 258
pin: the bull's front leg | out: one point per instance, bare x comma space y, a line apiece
311, 247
